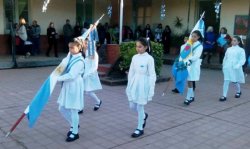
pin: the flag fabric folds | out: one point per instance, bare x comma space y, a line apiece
36, 106
93, 38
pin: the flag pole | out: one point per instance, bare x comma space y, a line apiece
15, 125
168, 84
17, 122
121, 21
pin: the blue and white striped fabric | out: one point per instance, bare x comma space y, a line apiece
36, 106
93, 38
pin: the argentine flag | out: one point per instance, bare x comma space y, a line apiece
36, 106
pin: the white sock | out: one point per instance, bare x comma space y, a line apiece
189, 92
192, 92
225, 87
75, 121
66, 114
237, 87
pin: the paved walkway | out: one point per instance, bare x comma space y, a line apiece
205, 124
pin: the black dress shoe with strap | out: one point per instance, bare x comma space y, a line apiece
70, 132
223, 98
135, 135
97, 106
175, 90
237, 95
80, 112
186, 102
70, 139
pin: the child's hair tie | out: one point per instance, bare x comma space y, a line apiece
148, 43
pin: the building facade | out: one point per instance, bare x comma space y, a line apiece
136, 12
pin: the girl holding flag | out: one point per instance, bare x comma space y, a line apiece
193, 63
71, 96
141, 83
233, 61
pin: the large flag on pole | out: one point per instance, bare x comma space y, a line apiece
179, 69
37, 104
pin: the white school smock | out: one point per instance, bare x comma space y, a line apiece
71, 95
141, 79
195, 68
90, 78
232, 64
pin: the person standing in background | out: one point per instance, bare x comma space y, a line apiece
51, 34
166, 39
67, 34
35, 37
224, 42
209, 42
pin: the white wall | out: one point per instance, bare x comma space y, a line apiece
100, 7
58, 11
228, 11
2, 20
178, 8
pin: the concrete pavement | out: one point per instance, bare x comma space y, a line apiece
205, 124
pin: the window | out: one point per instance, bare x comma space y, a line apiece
14, 9
84, 11
144, 12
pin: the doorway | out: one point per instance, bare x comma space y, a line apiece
210, 15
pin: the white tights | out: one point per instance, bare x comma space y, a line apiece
190, 93
93, 96
141, 114
226, 85
72, 117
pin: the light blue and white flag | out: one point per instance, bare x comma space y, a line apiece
36, 106
93, 38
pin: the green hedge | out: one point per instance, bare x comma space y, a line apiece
128, 51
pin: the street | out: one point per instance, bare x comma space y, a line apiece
204, 124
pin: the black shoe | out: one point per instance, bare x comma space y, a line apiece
80, 112
135, 135
237, 95
186, 102
70, 132
69, 139
191, 99
97, 106
175, 90
145, 120
223, 98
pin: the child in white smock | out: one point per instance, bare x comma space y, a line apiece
233, 61
193, 65
91, 79
71, 96
141, 83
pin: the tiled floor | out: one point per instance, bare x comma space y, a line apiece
205, 124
